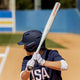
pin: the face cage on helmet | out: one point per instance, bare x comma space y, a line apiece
34, 47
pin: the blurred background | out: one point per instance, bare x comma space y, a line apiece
23, 15
18, 16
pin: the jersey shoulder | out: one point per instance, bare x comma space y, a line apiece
53, 55
52, 52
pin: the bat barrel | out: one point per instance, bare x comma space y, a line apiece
49, 24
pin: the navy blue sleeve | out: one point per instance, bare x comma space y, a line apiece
25, 60
56, 56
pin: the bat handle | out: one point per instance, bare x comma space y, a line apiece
29, 68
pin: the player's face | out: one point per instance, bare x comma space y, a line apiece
24, 46
28, 53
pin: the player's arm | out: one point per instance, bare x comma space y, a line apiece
57, 65
24, 75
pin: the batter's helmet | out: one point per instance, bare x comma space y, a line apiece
31, 39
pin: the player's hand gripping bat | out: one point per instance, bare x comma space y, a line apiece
47, 27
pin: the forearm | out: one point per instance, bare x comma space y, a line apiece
24, 75
53, 64
57, 65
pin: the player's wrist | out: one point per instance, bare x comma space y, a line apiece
41, 61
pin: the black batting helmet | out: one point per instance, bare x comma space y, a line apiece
31, 39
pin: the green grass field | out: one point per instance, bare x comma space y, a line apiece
12, 39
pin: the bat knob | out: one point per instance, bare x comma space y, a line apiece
29, 68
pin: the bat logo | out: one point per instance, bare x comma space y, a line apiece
55, 9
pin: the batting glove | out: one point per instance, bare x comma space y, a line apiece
39, 59
30, 64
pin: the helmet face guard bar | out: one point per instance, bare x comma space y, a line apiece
33, 47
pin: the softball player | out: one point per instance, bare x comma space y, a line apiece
49, 62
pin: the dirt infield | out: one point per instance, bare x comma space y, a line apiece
12, 67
